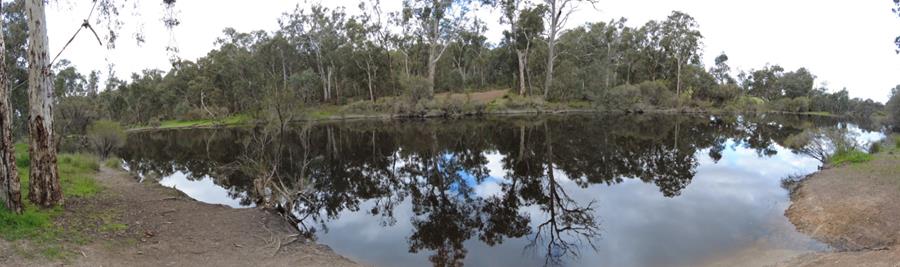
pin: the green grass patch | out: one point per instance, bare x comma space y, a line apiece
231, 120
818, 113
849, 156
324, 112
35, 224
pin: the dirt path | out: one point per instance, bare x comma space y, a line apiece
162, 227
855, 209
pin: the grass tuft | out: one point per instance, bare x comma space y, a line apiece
113, 163
852, 156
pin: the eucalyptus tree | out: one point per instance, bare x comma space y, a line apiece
44, 186
435, 20
558, 14
681, 41
529, 29
9, 175
369, 39
797, 83
512, 14
650, 46
15, 29
612, 38
763, 83
320, 33
467, 48
721, 70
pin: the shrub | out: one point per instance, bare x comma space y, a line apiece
416, 88
799, 104
155, 123
623, 97
194, 114
875, 148
656, 93
720, 94
113, 163
106, 136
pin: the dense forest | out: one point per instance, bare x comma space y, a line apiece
321, 56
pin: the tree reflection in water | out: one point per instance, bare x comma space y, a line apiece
315, 173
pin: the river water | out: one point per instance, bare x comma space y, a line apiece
586, 190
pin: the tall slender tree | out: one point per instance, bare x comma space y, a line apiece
44, 187
9, 175
558, 15
512, 10
436, 20
681, 41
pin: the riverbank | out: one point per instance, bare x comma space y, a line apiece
853, 208
146, 224
451, 105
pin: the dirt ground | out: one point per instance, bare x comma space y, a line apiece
162, 227
853, 208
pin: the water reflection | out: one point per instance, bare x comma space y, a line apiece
494, 187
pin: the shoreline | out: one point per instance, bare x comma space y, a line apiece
159, 226
435, 115
852, 208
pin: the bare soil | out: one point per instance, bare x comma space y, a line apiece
162, 227
853, 208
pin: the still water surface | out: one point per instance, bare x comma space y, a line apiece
574, 190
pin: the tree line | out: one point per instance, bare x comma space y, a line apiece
320, 55
329, 56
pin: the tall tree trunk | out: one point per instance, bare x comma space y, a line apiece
551, 47
433, 54
551, 53
432, 67
521, 57
44, 187
9, 174
678, 82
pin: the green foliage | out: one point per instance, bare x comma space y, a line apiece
747, 104
327, 56
622, 97
106, 136
893, 108
851, 156
799, 104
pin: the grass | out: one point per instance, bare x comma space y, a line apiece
818, 113
36, 224
231, 120
852, 156
113, 163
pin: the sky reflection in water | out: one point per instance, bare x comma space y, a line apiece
726, 205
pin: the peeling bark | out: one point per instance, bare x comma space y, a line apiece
44, 186
9, 174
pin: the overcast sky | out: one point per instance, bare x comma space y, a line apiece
845, 43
